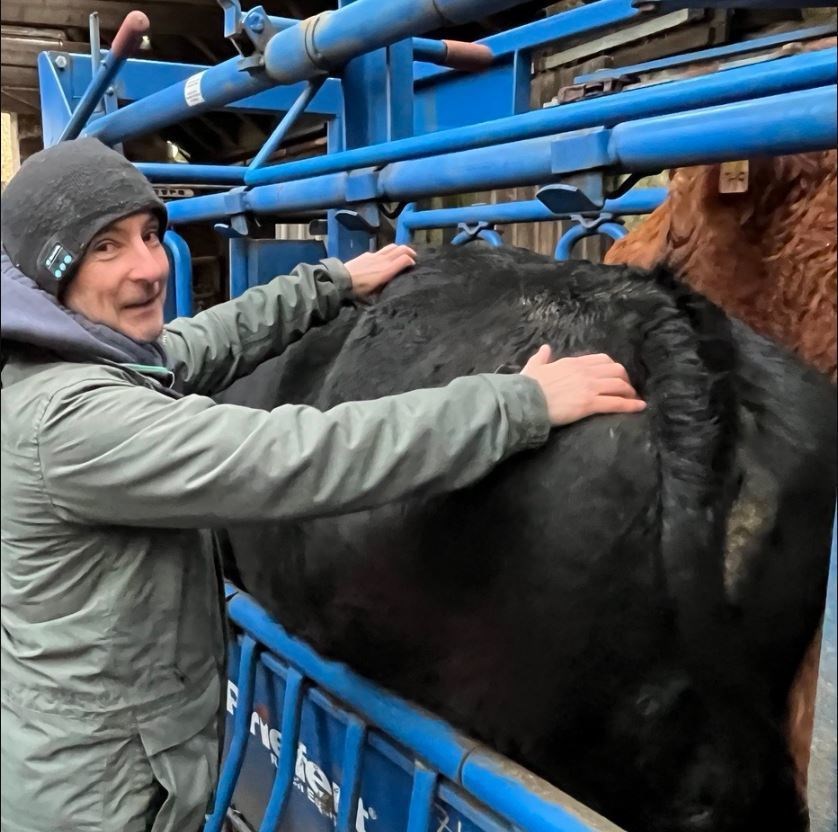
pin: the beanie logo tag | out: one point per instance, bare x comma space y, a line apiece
58, 261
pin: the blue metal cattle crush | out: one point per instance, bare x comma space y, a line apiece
310, 745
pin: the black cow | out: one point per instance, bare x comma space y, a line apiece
623, 612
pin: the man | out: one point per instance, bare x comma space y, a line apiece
114, 457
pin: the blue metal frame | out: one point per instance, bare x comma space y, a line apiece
446, 765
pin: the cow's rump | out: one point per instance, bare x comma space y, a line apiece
622, 611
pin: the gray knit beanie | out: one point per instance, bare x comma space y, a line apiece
61, 198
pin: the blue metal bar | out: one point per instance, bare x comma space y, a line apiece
294, 54
239, 283
568, 240
290, 732
286, 123
333, 38
241, 722
638, 201
770, 78
538, 807
184, 174
570, 24
796, 122
181, 260
427, 49
421, 799
126, 40
791, 123
484, 776
704, 136
141, 78
92, 96
710, 54
350, 784
488, 235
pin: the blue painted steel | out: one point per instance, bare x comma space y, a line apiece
235, 756
637, 201
387, 774
239, 280
180, 260
332, 38
575, 23
800, 122
427, 49
103, 78
770, 78
771, 125
140, 79
726, 51
286, 123
421, 799
353, 750
487, 235
55, 100
209, 89
568, 240
823, 766
291, 714
183, 174
484, 776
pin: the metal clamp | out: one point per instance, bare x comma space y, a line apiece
482, 230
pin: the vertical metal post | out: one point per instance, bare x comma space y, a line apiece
180, 259
822, 766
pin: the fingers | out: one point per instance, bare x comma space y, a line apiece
614, 387
537, 359
617, 404
394, 250
402, 261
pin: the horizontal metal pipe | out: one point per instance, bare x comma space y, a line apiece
531, 162
639, 201
769, 78
207, 90
332, 38
294, 54
705, 136
182, 174
455, 54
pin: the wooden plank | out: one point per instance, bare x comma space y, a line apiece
25, 51
19, 101
174, 17
20, 77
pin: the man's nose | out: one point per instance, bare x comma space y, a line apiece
147, 263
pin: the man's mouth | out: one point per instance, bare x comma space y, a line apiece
143, 304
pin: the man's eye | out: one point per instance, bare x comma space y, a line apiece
105, 246
152, 237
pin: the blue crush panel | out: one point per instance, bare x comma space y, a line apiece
362, 758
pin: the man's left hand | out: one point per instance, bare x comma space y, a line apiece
374, 269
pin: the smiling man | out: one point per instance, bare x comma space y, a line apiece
114, 458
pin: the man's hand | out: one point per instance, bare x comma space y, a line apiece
374, 269
582, 386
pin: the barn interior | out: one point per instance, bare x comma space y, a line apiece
387, 138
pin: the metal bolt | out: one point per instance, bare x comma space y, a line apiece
255, 22
61, 61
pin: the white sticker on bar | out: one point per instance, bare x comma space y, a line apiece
192, 90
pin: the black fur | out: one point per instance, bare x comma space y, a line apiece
571, 609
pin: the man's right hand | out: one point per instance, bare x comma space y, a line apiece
582, 386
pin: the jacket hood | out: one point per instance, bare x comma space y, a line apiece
29, 316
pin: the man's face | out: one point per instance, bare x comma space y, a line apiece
121, 281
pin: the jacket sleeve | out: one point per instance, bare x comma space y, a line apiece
128, 455
211, 350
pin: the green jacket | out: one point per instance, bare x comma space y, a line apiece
112, 637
